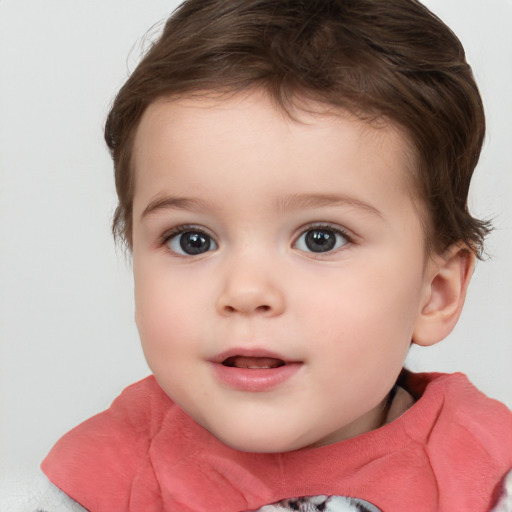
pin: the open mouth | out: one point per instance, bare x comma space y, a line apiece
253, 370
254, 363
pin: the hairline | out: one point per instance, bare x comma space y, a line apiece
296, 102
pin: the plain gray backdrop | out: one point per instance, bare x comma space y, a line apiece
68, 340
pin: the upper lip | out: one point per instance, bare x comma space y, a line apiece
250, 352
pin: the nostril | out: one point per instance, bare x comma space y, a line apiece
261, 309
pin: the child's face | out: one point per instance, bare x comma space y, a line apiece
279, 268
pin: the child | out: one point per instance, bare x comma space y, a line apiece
292, 180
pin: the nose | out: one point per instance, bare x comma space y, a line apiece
250, 289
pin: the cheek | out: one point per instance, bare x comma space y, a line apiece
365, 314
159, 314
166, 336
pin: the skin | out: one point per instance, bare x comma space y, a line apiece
254, 182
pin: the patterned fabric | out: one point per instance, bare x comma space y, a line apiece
340, 504
320, 504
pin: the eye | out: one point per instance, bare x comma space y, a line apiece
321, 239
190, 242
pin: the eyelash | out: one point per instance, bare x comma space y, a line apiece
349, 240
173, 233
184, 228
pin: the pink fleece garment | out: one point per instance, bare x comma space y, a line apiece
447, 453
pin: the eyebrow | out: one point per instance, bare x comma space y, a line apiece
302, 201
174, 203
291, 202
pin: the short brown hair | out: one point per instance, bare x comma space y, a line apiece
392, 59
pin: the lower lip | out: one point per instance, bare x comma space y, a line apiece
255, 379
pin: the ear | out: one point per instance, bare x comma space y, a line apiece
446, 282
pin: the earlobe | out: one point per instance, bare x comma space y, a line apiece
446, 283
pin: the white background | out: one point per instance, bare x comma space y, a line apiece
68, 340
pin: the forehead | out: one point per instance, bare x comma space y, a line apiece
238, 136
256, 105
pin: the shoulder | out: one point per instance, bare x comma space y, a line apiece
467, 410
460, 418
104, 454
456, 403
131, 418
466, 435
